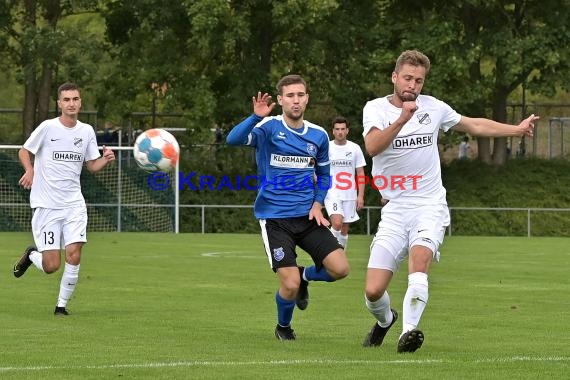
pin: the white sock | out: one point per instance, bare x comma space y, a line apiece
67, 284
415, 300
335, 232
37, 258
343, 240
380, 309
337, 235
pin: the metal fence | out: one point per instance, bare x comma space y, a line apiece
527, 212
370, 216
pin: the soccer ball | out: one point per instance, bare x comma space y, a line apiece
156, 150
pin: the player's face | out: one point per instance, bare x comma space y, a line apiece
408, 82
340, 131
69, 102
293, 101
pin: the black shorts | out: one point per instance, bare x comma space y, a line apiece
282, 236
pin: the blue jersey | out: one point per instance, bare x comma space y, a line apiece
289, 161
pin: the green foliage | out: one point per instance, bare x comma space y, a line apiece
481, 52
153, 44
521, 183
478, 47
206, 58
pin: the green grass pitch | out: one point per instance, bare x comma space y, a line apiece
191, 306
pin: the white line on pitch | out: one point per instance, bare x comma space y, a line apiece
201, 363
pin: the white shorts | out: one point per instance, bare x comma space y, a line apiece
55, 229
340, 207
402, 227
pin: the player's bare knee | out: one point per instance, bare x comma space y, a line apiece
73, 259
346, 271
421, 256
50, 267
290, 287
336, 264
73, 253
336, 225
372, 293
340, 272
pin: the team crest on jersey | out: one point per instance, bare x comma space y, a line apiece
278, 254
312, 149
78, 142
423, 118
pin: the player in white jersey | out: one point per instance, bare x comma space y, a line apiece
345, 196
464, 148
400, 133
60, 146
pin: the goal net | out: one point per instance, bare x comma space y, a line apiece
119, 198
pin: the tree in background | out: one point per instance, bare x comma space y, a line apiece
483, 51
212, 52
202, 57
35, 44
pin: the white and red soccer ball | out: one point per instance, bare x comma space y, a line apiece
156, 150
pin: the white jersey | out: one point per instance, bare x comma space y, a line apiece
409, 169
59, 155
344, 159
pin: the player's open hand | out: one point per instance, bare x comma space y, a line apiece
527, 125
317, 214
263, 104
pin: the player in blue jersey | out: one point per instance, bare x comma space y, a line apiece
293, 166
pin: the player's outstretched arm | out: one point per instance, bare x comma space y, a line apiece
491, 128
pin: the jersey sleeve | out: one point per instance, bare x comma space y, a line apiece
323, 151
242, 134
259, 134
92, 152
449, 117
359, 160
34, 142
322, 169
372, 118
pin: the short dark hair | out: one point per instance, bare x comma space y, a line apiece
414, 58
68, 86
288, 80
340, 120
